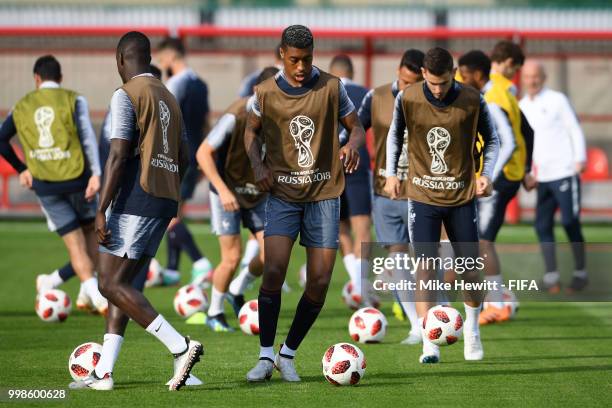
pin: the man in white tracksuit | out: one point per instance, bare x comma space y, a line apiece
559, 156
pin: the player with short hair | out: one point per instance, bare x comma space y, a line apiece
191, 94
234, 197
559, 157
62, 167
247, 86
510, 170
355, 201
441, 119
296, 115
391, 215
148, 155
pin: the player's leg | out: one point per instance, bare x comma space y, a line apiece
546, 205
568, 196
462, 228
251, 249
54, 279
319, 234
425, 223
230, 245
173, 254
346, 240
283, 221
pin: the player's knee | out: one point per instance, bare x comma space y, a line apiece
231, 261
318, 284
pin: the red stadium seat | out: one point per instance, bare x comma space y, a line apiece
596, 165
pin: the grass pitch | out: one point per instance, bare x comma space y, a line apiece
552, 354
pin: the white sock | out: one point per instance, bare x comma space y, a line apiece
358, 263
581, 274
164, 332
413, 318
429, 349
216, 302
495, 296
91, 289
266, 352
349, 261
241, 282
471, 320
250, 252
202, 263
551, 278
286, 351
55, 279
110, 351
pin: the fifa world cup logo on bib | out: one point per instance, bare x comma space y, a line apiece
164, 118
44, 117
438, 140
302, 129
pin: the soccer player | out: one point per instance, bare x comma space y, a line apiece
355, 201
391, 215
191, 94
62, 167
441, 119
148, 154
297, 114
247, 86
559, 156
233, 197
509, 171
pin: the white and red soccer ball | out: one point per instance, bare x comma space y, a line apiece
350, 296
343, 364
53, 305
84, 359
443, 325
508, 299
368, 325
155, 273
190, 299
248, 317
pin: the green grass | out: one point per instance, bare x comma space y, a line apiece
553, 354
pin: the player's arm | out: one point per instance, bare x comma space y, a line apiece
576, 135
364, 114
184, 151
349, 153
7, 131
486, 128
90, 146
395, 139
506, 137
206, 160
253, 145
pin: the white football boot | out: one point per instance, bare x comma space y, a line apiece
472, 347
184, 362
93, 382
261, 372
286, 368
43, 283
414, 337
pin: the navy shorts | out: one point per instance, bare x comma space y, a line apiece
391, 220
460, 222
492, 209
190, 181
317, 222
67, 212
356, 198
134, 236
228, 222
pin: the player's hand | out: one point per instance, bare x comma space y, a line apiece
392, 187
529, 182
173, 223
580, 167
93, 186
228, 200
263, 178
25, 179
102, 233
350, 157
484, 187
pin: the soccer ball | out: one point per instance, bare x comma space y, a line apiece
154, 274
343, 364
190, 299
508, 299
84, 359
248, 317
368, 325
351, 299
442, 325
53, 305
